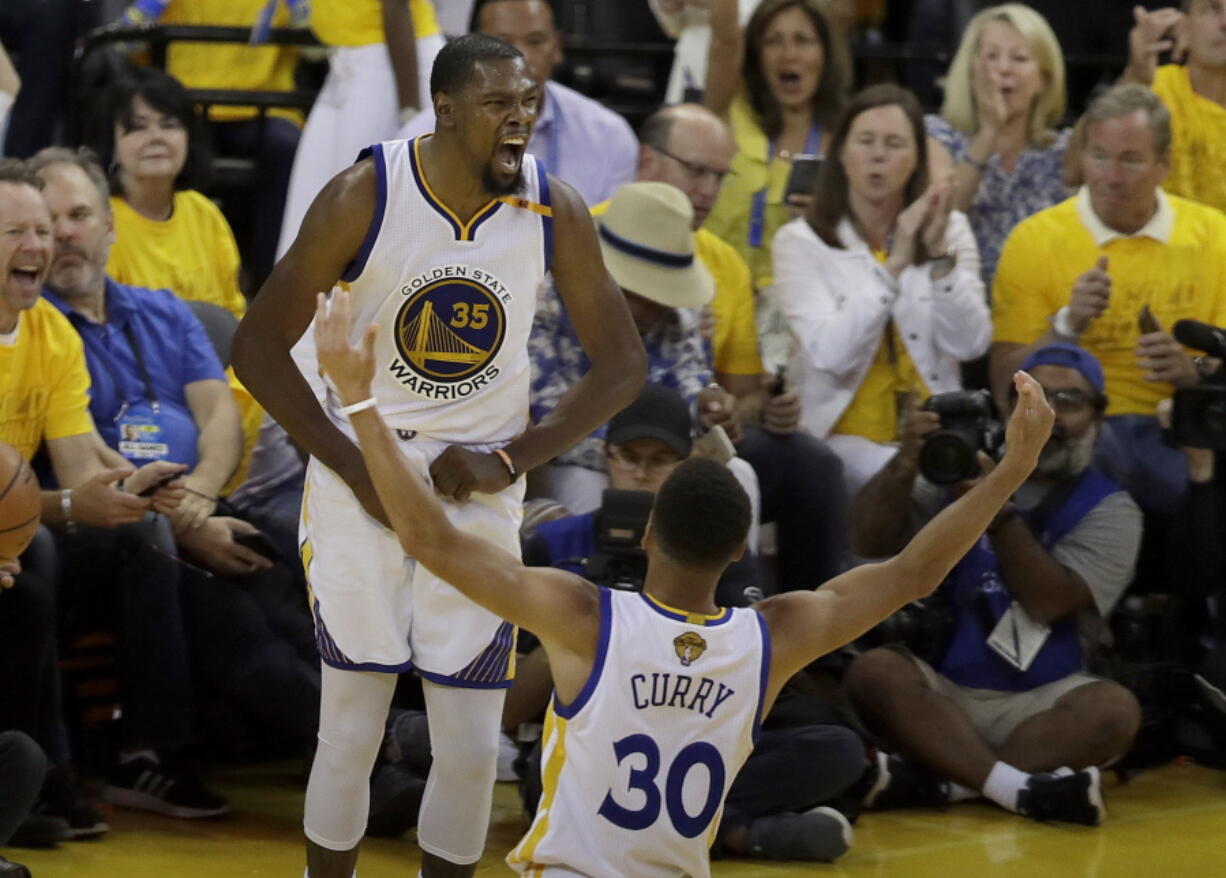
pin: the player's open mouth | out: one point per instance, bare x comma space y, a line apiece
510, 153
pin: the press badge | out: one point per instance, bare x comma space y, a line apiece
140, 437
1017, 638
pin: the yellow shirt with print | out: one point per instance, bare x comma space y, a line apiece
1183, 278
192, 254
1198, 143
230, 65
732, 215
44, 382
734, 347
873, 411
360, 22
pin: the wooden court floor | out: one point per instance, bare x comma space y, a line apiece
1168, 822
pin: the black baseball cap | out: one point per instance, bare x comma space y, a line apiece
658, 413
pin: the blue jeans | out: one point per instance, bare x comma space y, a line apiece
1130, 450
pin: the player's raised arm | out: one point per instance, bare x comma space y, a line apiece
558, 607
597, 309
805, 625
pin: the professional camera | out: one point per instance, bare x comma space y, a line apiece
925, 627
968, 426
1198, 417
619, 560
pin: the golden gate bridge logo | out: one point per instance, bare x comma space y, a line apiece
450, 329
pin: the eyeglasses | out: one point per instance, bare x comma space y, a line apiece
654, 463
1067, 402
696, 171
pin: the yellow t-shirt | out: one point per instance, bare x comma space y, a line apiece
192, 254
229, 65
732, 215
360, 22
1183, 278
1198, 147
873, 411
734, 347
44, 383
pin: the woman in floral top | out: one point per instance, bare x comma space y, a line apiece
1004, 95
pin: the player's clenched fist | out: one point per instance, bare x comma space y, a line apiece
1091, 296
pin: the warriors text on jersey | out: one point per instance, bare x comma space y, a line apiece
454, 301
636, 768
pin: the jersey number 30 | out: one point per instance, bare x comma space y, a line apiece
644, 780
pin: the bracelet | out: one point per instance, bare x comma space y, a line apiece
66, 506
368, 403
510, 464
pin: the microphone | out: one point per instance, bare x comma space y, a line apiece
1202, 336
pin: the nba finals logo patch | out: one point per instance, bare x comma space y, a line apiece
448, 331
689, 646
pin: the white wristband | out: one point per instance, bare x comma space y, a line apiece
1063, 325
66, 505
368, 403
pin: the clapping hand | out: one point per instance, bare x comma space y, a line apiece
1152, 34
1163, 360
924, 220
1091, 296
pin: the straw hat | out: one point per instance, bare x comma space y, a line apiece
648, 242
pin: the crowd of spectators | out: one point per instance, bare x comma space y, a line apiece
795, 333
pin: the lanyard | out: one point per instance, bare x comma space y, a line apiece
757, 212
144, 374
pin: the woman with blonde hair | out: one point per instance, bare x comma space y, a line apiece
1004, 96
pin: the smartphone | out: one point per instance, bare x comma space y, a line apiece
159, 484
260, 543
780, 383
716, 445
803, 178
1146, 321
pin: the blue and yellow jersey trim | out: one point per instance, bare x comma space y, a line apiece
708, 621
553, 745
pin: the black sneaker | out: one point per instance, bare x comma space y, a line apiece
148, 785
903, 784
821, 835
9, 869
1072, 797
39, 831
395, 798
61, 797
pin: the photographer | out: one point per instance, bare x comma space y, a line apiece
1009, 694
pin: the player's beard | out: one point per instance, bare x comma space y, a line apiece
502, 187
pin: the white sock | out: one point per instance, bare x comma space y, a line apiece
959, 793
1003, 785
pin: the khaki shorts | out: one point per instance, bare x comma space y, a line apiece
996, 714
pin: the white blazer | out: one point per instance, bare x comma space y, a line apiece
837, 302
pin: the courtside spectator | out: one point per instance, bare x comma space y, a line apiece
879, 284
1006, 709
689, 147
270, 140
380, 53
1097, 268
1194, 92
1004, 98
590, 147
99, 511
780, 84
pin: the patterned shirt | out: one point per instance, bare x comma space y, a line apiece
1004, 199
676, 358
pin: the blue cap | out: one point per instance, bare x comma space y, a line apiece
1070, 357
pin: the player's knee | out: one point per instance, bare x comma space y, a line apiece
351, 736
470, 758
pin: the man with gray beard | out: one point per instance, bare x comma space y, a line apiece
1007, 707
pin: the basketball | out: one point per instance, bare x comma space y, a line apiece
20, 504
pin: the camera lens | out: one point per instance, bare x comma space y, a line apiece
946, 458
1213, 416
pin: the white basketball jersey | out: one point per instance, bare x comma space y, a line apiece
454, 301
635, 770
